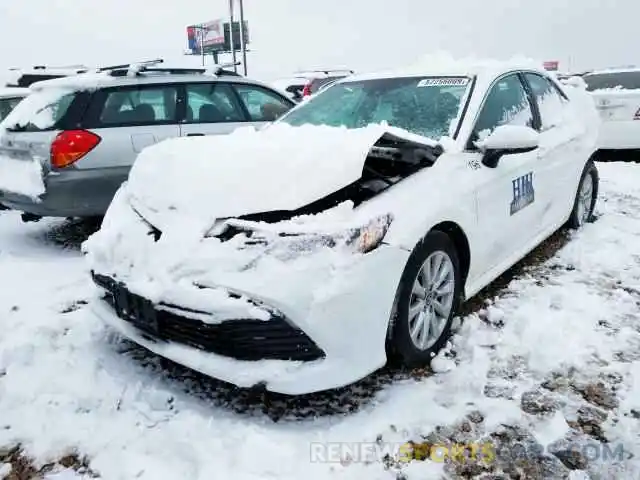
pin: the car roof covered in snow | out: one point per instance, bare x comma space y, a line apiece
96, 80
445, 65
11, 92
604, 71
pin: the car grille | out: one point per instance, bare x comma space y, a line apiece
239, 338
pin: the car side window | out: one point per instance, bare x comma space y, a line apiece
212, 103
551, 104
262, 105
506, 104
139, 106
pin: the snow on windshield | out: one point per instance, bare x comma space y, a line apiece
428, 106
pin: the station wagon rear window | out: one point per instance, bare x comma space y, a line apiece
427, 106
40, 110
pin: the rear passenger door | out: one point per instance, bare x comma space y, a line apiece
128, 119
211, 109
262, 105
560, 160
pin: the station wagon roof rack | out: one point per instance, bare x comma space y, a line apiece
149, 66
45, 68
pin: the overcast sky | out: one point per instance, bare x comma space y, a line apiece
300, 34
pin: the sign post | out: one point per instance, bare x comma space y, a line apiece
243, 44
231, 42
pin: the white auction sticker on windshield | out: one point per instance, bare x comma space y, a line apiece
443, 82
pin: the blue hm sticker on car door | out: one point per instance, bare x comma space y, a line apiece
523, 192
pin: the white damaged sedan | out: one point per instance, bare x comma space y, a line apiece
304, 256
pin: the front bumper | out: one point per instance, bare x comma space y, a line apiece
326, 329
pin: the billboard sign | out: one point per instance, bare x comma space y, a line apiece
551, 65
215, 36
208, 36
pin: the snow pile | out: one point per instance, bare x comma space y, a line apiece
80, 82
278, 168
23, 177
444, 63
38, 109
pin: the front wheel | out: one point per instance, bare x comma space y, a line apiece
586, 196
426, 302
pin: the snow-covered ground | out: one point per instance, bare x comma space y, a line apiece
546, 371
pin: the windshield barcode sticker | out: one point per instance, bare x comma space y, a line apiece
443, 82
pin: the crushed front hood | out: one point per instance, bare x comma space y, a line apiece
197, 180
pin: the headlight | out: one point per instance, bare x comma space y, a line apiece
370, 236
295, 240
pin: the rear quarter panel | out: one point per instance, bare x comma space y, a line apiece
119, 146
619, 111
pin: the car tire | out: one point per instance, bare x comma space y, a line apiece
418, 285
586, 196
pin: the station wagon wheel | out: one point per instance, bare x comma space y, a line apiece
426, 302
586, 196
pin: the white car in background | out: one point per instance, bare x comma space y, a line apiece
304, 84
616, 93
303, 256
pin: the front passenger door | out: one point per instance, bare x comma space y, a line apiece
262, 105
507, 206
211, 109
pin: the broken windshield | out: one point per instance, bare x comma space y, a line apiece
424, 106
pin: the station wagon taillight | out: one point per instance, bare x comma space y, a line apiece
70, 146
306, 91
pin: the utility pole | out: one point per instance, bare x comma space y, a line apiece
231, 42
243, 46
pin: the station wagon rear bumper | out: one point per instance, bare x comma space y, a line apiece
71, 193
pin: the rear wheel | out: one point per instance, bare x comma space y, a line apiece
586, 196
427, 300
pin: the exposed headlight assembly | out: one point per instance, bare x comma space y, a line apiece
370, 236
299, 239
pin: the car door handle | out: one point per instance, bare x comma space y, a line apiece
195, 134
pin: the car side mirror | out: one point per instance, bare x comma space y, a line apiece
507, 140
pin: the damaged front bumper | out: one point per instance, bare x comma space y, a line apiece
293, 329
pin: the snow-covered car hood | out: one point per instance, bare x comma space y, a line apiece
278, 168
